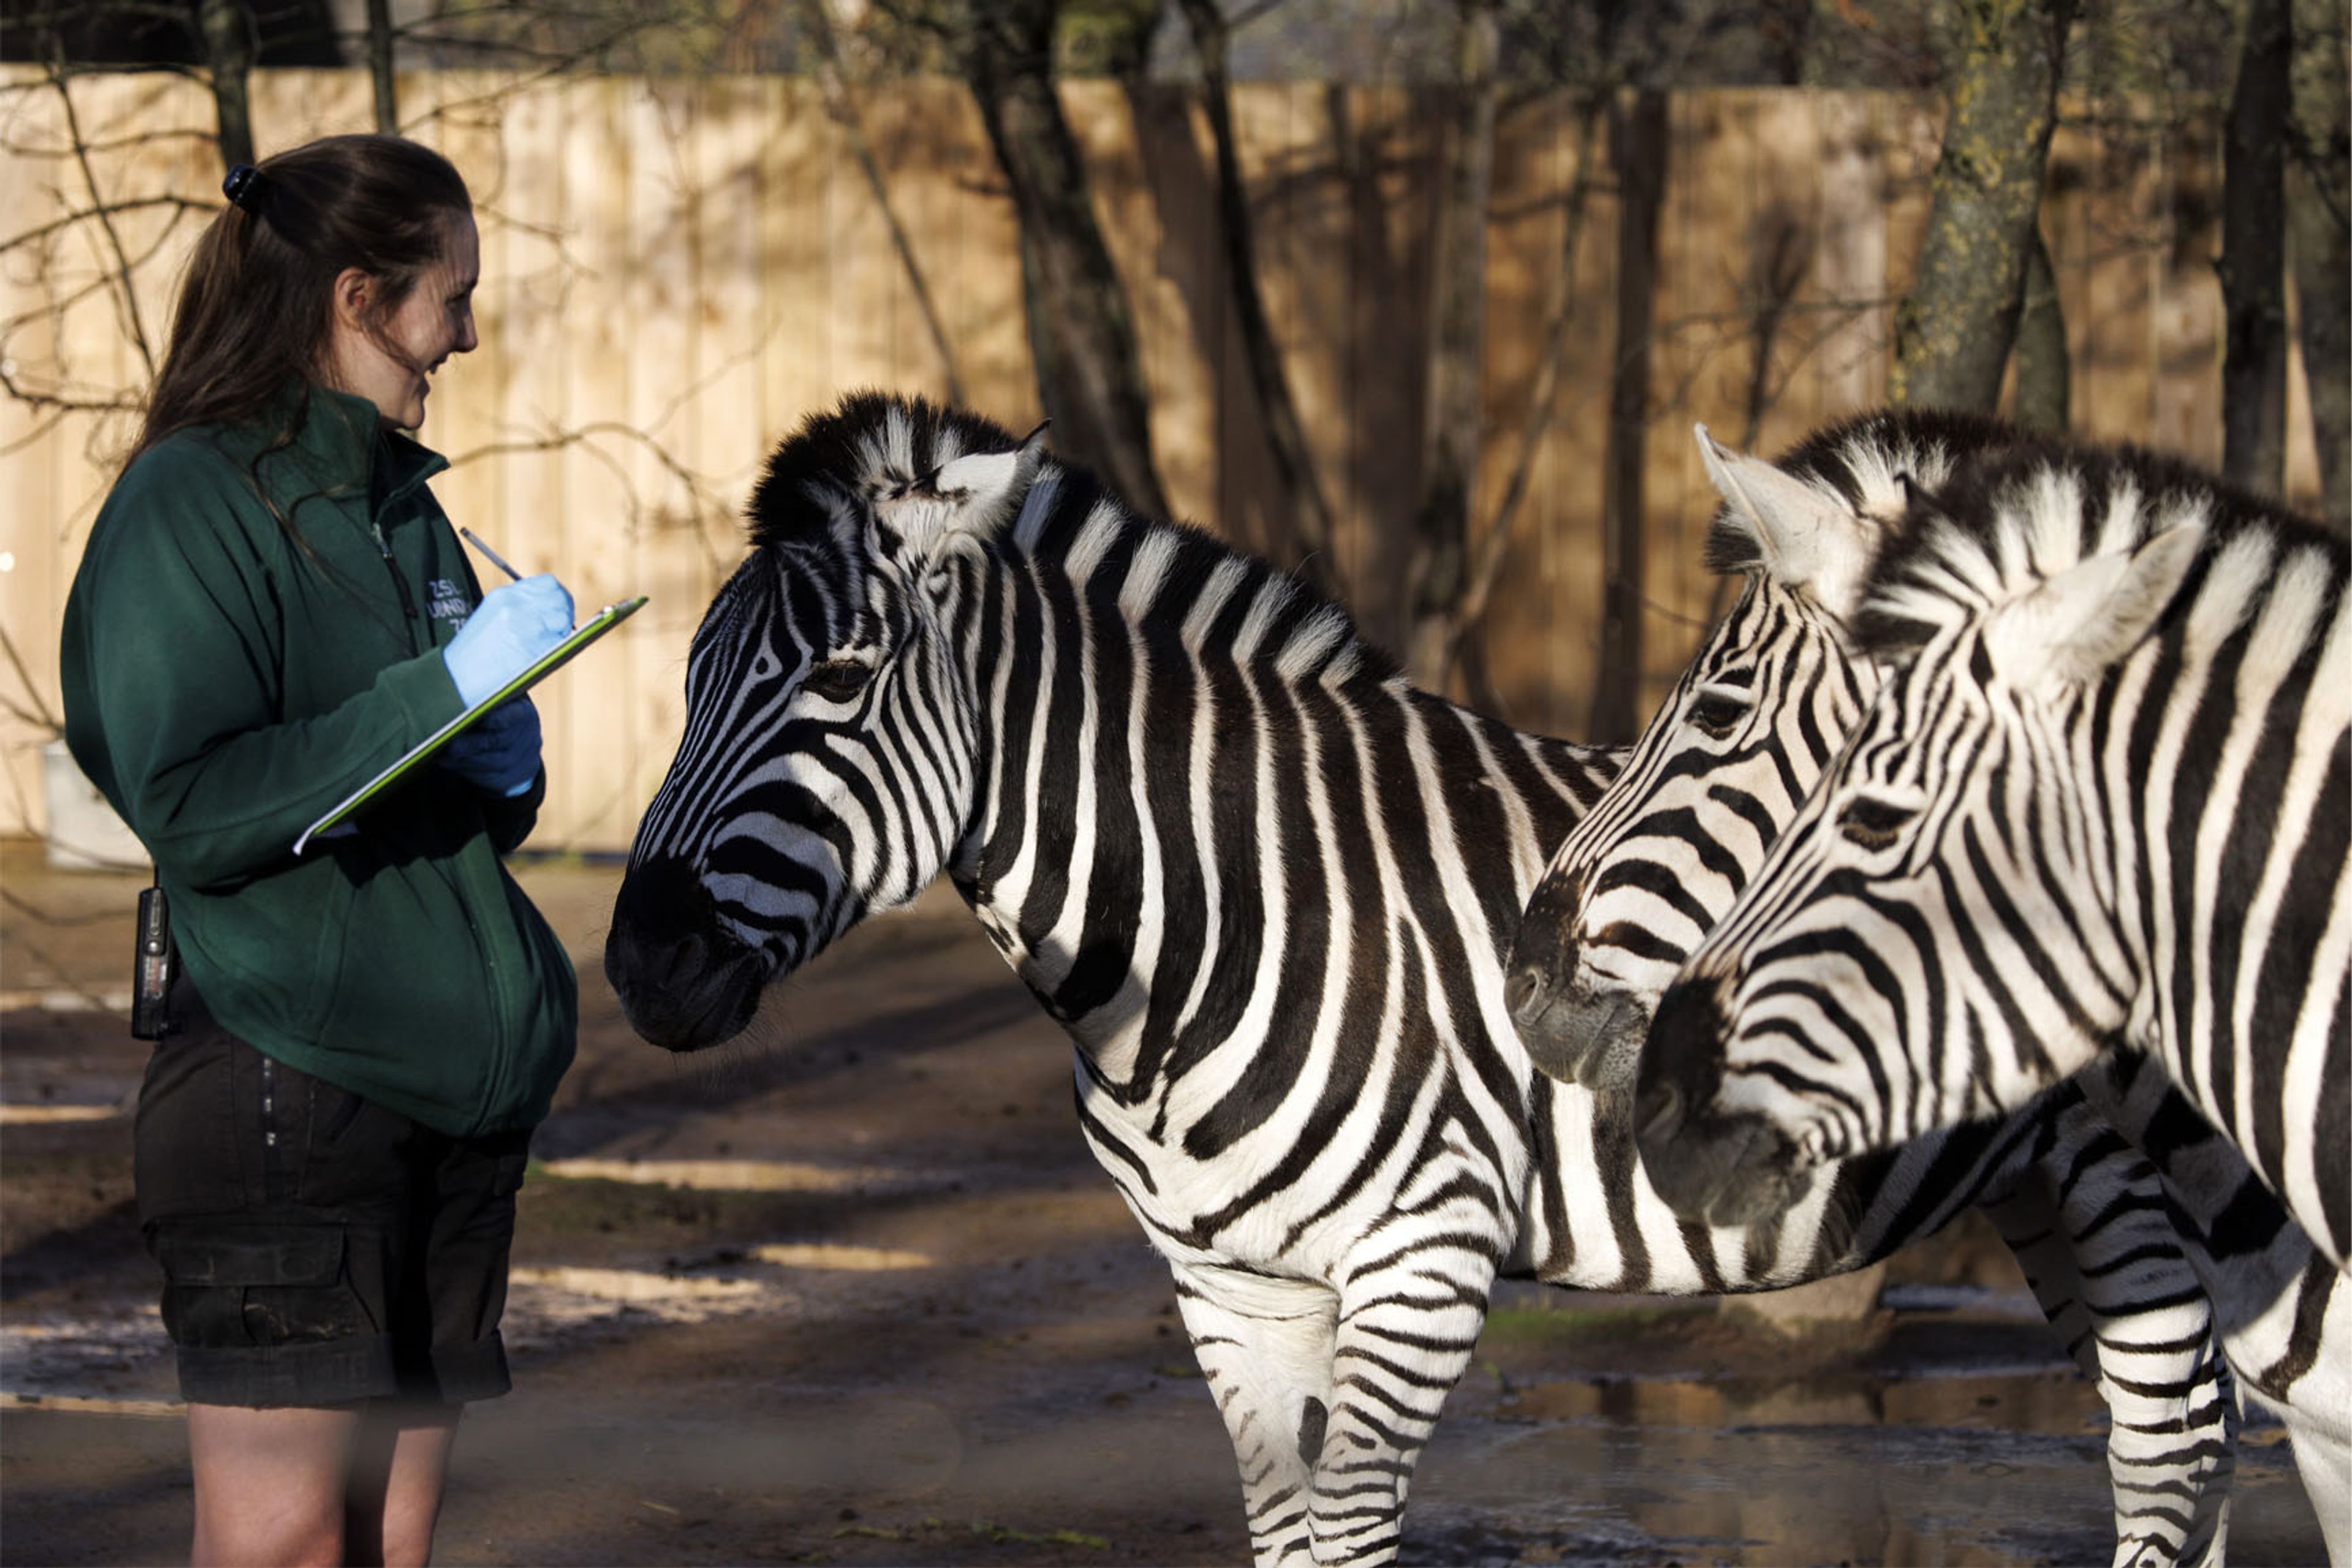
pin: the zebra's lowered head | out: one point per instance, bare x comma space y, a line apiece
2025, 849
823, 702
1736, 747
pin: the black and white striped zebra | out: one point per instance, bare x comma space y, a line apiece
1735, 751
1264, 883
2104, 799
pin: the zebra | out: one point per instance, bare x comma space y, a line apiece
1733, 756
1264, 883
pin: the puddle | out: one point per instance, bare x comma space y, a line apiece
2025, 1400
1988, 1468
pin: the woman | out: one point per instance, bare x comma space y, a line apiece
271, 609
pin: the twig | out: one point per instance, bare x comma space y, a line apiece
114, 240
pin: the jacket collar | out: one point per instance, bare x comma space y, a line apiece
340, 441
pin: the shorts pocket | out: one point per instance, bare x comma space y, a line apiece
252, 1286
350, 1151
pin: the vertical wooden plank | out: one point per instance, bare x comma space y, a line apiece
2116, 399
793, 258
2189, 325
1851, 277
1787, 229
36, 563
1526, 222
1184, 341
1391, 150
864, 274
657, 299
1576, 449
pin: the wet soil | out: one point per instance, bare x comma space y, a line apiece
851, 1291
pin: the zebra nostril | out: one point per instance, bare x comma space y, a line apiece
686, 959
1523, 991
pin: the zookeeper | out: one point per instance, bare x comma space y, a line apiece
272, 608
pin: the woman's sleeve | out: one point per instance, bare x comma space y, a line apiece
510, 821
181, 635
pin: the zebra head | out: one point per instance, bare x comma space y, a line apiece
827, 767
1736, 746
1889, 969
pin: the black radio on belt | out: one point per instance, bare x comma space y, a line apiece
152, 967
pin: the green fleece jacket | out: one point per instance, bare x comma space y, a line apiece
253, 634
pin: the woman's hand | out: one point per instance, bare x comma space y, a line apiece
499, 751
512, 627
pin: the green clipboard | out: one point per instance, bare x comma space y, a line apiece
555, 658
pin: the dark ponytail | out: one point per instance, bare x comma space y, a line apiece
256, 308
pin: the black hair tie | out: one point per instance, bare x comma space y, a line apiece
248, 188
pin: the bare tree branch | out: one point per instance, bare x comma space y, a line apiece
843, 110
128, 300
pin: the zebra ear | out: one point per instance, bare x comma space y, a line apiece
1802, 538
984, 489
2088, 618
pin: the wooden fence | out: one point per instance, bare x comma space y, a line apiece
676, 271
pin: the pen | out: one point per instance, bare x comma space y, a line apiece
496, 560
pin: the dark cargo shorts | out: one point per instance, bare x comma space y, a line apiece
317, 1248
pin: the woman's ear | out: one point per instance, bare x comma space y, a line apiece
353, 296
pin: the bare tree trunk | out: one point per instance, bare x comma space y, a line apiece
2254, 255
379, 56
2041, 398
226, 29
1637, 147
1285, 437
1953, 331
1437, 567
1090, 368
2319, 239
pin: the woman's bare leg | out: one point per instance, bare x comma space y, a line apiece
270, 1483
398, 1471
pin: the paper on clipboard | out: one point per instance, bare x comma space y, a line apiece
555, 658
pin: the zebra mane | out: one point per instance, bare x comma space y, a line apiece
873, 440
1999, 528
1858, 464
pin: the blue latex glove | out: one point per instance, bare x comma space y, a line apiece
512, 627
499, 751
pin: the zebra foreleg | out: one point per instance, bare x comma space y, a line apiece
2283, 1310
1406, 1335
2090, 1230
1265, 1345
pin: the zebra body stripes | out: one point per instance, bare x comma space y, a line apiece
1733, 756
1263, 883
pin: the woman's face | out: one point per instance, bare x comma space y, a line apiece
391, 365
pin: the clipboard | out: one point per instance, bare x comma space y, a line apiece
547, 664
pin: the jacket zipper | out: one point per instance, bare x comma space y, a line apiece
494, 1074
399, 586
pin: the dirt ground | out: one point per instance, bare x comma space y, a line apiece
851, 1291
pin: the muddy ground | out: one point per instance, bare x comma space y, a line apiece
851, 1291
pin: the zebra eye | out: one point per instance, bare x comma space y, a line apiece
1874, 824
837, 679
1718, 714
